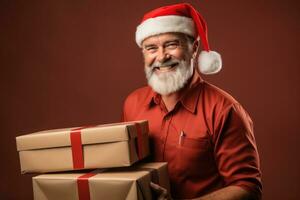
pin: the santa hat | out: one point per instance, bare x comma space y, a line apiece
180, 18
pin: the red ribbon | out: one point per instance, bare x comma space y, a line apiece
76, 145
139, 140
83, 186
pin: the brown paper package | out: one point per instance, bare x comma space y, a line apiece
104, 146
113, 184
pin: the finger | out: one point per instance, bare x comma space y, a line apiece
160, 191
156, 187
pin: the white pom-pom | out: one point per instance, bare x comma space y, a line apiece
209, 62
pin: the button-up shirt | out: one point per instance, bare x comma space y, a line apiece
207, 139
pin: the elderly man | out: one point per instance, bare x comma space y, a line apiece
201, 131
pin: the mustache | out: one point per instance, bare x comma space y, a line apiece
164, 64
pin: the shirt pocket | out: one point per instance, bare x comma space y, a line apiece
194, 143
194, 156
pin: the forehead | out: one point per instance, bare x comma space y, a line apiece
162, 38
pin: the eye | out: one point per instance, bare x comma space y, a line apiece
172, 45
150, 49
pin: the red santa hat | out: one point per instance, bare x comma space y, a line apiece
180, 18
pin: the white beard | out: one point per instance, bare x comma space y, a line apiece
168, 82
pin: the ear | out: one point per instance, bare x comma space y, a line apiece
196, 46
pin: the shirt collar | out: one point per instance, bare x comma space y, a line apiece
151, 98
189, 98
191, 94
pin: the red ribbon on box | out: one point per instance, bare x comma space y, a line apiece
77, 153
83, 186
76, 145
139, 140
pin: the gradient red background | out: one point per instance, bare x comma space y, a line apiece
69, 63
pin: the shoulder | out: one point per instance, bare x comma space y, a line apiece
219, 103
216, 95
135, 102
137, 98
139, 95
221, 111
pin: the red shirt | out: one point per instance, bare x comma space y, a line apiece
207, 139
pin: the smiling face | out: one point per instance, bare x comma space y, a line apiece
167, 60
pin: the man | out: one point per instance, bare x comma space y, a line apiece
201, 131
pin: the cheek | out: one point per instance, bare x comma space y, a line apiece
179, 54
148, 60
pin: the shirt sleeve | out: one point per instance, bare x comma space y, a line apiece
235, 150
129, 106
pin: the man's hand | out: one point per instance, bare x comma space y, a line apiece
161, 193
228, 193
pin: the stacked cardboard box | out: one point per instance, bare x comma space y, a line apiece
130, 183
115, 146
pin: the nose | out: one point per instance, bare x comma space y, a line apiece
162, 55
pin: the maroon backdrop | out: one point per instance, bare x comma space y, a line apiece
68, 63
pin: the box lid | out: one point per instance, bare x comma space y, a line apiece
90, 135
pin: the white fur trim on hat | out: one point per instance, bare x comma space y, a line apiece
164, 24
209, 62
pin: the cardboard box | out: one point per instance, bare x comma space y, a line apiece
102, 146
114, 184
